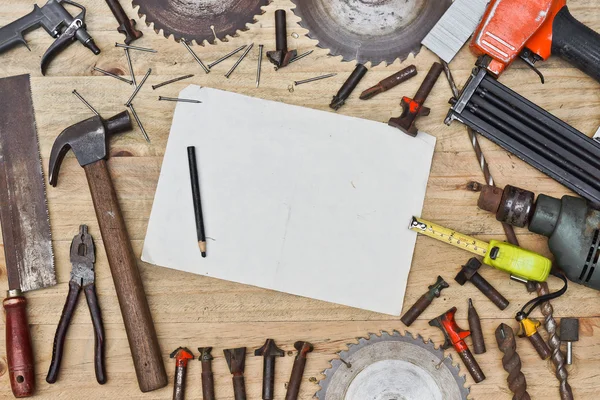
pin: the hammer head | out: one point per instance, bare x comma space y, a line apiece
88, 139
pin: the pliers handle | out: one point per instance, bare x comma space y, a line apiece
63, 325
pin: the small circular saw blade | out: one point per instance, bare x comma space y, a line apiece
194, 20
393, 366
370, 30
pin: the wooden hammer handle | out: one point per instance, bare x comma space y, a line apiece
143, 342
19, 353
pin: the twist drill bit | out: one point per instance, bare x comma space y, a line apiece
298, 370
566, 393
512, 362
476, 331
208, 379
424, 301
509, 231
389, 82
236, 361
269, 351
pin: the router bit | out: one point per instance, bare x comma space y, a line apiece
390, 82
181, 355
476, 331
469, 273
281, 56
208, 379
269, 351
512, 362
569, 332
236, 361
346, 90
424, 301
529, 329
293, 388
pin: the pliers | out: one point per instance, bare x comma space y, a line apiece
82, 277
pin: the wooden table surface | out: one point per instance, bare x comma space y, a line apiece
194, 311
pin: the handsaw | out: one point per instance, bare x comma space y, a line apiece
25, 224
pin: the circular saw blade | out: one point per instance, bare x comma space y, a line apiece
194, 20
370, 30
393, 367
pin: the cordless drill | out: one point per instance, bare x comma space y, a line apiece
534, 30
571, 225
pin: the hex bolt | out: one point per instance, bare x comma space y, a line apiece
269, 351
469, 273
298, 369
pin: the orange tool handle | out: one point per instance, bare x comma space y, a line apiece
18, 347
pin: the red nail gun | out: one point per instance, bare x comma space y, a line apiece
533, 30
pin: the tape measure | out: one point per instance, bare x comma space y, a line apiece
501, 255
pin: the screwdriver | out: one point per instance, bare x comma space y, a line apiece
500, 255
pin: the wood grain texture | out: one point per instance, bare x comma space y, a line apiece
194, 311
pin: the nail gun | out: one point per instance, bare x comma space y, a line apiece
534, 30
59, 24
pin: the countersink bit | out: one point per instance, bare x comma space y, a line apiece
389, 82
316, 78
113, 75
226, 56
293, 388
198, 60
424, 301
269, 351
154, 87
138, 87
569, 332
476, 331
84, 101
281, 56
130, 65
181, 355
125, 46
566, 393
469, 273
208, 379
259, 65
236, 361
512, 362
529, 329
244, 54
342, 95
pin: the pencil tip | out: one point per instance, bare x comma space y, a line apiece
202, 246
203, 254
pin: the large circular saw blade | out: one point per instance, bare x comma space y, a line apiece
370, 30
196, 19
391, 367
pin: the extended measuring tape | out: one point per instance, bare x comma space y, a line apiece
501, 255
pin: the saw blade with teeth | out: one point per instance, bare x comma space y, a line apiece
199, 20
370, 31
393, 366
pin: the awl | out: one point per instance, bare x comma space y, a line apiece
25, 225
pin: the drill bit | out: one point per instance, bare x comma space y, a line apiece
512, 362
558, 359
509, 231
476, 331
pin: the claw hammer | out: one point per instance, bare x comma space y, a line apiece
89, 141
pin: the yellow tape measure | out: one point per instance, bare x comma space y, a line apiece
501, 255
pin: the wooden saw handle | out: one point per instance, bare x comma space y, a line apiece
19, 353
143, 342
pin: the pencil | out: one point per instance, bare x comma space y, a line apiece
197, 202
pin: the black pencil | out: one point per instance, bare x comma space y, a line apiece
197, 202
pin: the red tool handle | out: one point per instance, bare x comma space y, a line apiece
18, 347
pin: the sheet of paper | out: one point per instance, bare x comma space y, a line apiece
296, 200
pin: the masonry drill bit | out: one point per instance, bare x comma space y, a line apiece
316, 78
226, 56
138, 87
208, 379
244, 54
130, 65
198, 60
84, 101
476, 331
512, 362
165, 83
125, 46
113, 75
566, 393
509, 231
259, 66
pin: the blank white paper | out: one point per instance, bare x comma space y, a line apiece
296, 200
